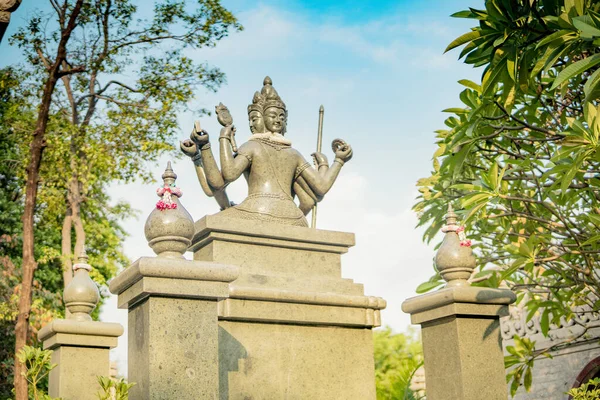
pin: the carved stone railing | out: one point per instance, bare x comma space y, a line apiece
516, 324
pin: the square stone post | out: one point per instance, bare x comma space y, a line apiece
80, 346
173, 327
462, 347
81, 350
292, 327
460, 327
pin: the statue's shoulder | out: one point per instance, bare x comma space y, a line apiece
297, 155
250, 147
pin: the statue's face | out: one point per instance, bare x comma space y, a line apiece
257, 123
274, 119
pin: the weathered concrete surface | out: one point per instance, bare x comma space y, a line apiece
81, 350
462, 346
281, 361
173, 327
172, 349
292, 327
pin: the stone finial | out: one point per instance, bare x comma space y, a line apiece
81, 295
454, 259
169, 176
169, 228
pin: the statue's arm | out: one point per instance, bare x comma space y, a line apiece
233, 166
211, 170
190, 149
305, 195
321, 181
321, 161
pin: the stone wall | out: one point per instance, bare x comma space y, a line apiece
553, 377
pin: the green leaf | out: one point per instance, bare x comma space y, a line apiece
492, 75
592, 86
511, 63
582, 24
545, 322
427, 286
476, 198
527, 379
493, 175
465, 38
464, 14
568, 178
459, 159
553, 37
470, 84
575, 69
456, 110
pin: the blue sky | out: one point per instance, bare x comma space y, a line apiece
380, 72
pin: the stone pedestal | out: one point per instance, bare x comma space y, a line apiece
173, 332
81, 350
462, 347
292, 327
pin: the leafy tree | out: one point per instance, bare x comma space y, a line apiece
46, 301
121, 80
397, 358
521, 158
589, 390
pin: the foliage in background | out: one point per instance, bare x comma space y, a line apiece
397, 358
114, 389
129, 74
589, 390
46, 303
520, 157
122, 77
37, 367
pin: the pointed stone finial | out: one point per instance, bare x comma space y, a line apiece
451, 216
81, 295
454, 259
321, 109
169, 228
267, 81
169, 176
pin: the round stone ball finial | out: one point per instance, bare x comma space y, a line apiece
169, 228
454, 259
81, 295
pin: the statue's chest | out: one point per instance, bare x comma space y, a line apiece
281, 162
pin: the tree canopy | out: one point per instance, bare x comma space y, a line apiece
397, 359
102, 83
520, 159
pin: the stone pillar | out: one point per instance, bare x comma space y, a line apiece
292, 327
80, 346
172, 302
460, 327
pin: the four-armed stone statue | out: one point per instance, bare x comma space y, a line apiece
291, 326
275, 171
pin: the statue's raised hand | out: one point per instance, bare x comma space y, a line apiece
320, 159
188, 147
200, 138
228, 132
342, 150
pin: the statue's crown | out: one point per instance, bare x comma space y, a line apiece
258, 102
270, 95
